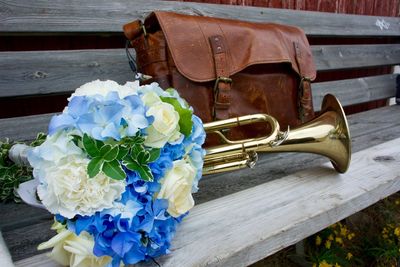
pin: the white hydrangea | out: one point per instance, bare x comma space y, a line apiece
64, 185
102, 88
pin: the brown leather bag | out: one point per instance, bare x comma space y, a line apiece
228, 68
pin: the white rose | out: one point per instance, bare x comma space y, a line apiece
72, 250
176, 187
165, 126
151, 98
102, 88
66, 189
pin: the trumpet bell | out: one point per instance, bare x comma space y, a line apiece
327, 135
340, 139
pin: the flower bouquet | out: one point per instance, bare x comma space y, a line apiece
118, 169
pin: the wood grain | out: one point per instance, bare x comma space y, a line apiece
60, 72
363, 128
354, 91
226, 232
88, 16
338, 57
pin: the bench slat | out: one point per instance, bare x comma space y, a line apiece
349, 92
226, 232
56, 72
339, 57
355, 91
104, 16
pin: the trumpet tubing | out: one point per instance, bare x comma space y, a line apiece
327, 135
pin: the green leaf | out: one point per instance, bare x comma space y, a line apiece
114, 170
136, 150
99, 144
133, 140
94, 166
143, 157
185, 115
111, 154
77, 140
131, 163
154, 154
143, 170
145, 173
89, 144
122, 152
105, 150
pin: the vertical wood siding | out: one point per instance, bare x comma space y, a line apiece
389, 8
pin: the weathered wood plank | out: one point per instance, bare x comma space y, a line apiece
24, 128
226, 232
363, 128
337, 57
15, 216
20, 241
5, 257
104, 16
349, 92
56, 72
40, 260
354, 91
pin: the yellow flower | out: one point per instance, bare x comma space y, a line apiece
337, 265
385, 236
324, 264
397, 202
318, 240
328, 244
339, 240
330, 237
397, 231
349, 256
351, 236
343, 231
314, 265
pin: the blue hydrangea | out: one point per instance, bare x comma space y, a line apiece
103, 117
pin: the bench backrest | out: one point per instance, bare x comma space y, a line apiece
26, 76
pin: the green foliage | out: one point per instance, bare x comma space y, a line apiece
11, 175
110, 157
369, 238
114, 170
185, 115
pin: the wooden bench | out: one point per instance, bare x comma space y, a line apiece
240, 217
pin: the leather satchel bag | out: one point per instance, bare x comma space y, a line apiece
228, 68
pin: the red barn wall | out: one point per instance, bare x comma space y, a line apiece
363, 7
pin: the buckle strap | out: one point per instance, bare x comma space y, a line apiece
305, 103
222, 85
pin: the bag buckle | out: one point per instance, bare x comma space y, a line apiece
216, 92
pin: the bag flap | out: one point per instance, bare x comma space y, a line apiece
247, 44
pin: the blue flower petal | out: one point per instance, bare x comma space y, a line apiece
123, 242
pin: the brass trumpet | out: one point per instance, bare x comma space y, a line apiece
327, 135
